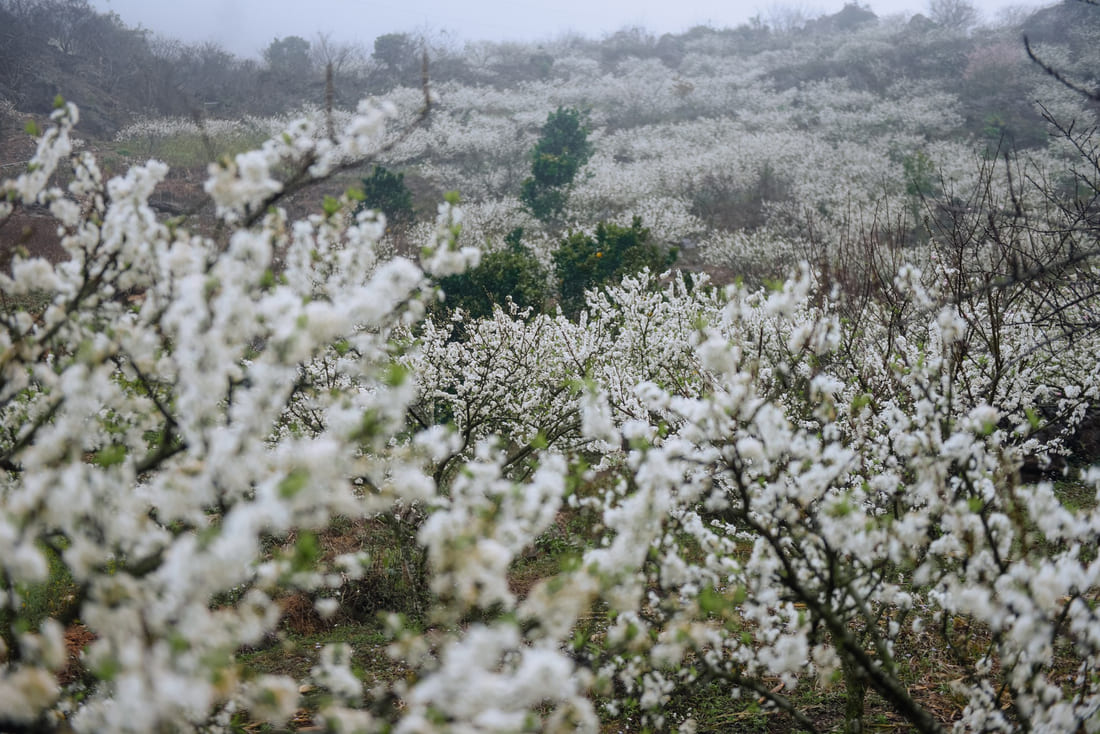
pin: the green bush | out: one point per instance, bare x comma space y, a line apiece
583, 262
385, 191
509, 273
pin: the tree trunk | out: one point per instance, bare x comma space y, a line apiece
855, 694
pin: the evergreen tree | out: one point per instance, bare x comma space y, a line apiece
555, 160
386, 192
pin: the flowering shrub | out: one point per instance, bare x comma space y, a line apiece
785, 487
154, 445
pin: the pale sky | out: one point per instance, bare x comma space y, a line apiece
246, 27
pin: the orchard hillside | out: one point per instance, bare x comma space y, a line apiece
742, 379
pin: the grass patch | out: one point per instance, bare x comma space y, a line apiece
54, 598
1075, 495
295, 655
33, 303
187, 149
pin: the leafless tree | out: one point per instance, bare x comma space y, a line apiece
955, 14
344, 57
789, 17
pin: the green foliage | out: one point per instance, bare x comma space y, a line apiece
562, 150
543, 203
584, 262
509, 273
556, 158
386, 192
920, 175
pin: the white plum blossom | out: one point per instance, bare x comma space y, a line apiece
787, 479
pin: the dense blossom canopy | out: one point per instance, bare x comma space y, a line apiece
783, 484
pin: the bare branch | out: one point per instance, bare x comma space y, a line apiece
1092, 95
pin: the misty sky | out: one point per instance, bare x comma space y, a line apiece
246, 27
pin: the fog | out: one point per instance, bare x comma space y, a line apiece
246, 27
